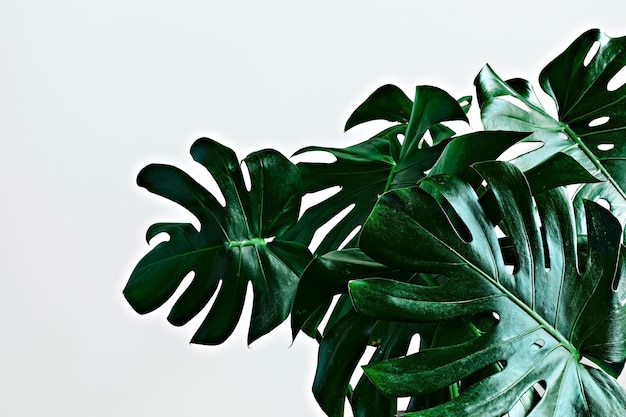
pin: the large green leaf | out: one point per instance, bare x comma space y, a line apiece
552, 310
591, 121
366, 170
231, 247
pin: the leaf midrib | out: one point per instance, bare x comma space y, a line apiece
542, 322
594, 159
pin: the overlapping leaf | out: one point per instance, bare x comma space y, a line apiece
366, 170
552, 310
348, 334
591, 120
327, 276
342, 348
230, 247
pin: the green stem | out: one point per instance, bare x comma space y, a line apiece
392, 173
453, 390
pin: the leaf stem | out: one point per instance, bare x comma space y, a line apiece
594, 159
392, 174
453, 390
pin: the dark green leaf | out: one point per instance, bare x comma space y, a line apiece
339, 353
362, 172
594, 114
463, 151
432, 106
391, 340
548, 317
325, 277
230, 247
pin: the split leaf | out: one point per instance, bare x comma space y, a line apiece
232, 247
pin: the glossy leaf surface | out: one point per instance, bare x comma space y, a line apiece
551, 310
230, 248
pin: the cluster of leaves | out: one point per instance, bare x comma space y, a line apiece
511, 273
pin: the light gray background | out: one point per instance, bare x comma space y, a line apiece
91, 91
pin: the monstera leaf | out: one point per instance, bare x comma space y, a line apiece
233, 245
591, 122
366, 170
553, 305
348, 334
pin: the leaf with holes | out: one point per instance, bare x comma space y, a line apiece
231, 247
365, 170
344, 342
584, 82
554, 307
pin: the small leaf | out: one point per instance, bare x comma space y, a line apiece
431, 106
463, 151
386, 103
362, 172
339, 353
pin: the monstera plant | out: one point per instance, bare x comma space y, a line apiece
511, 272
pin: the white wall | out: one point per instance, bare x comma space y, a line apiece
91, 91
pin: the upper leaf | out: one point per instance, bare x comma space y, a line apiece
366, 170
551, 310
591, 120
230, 246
